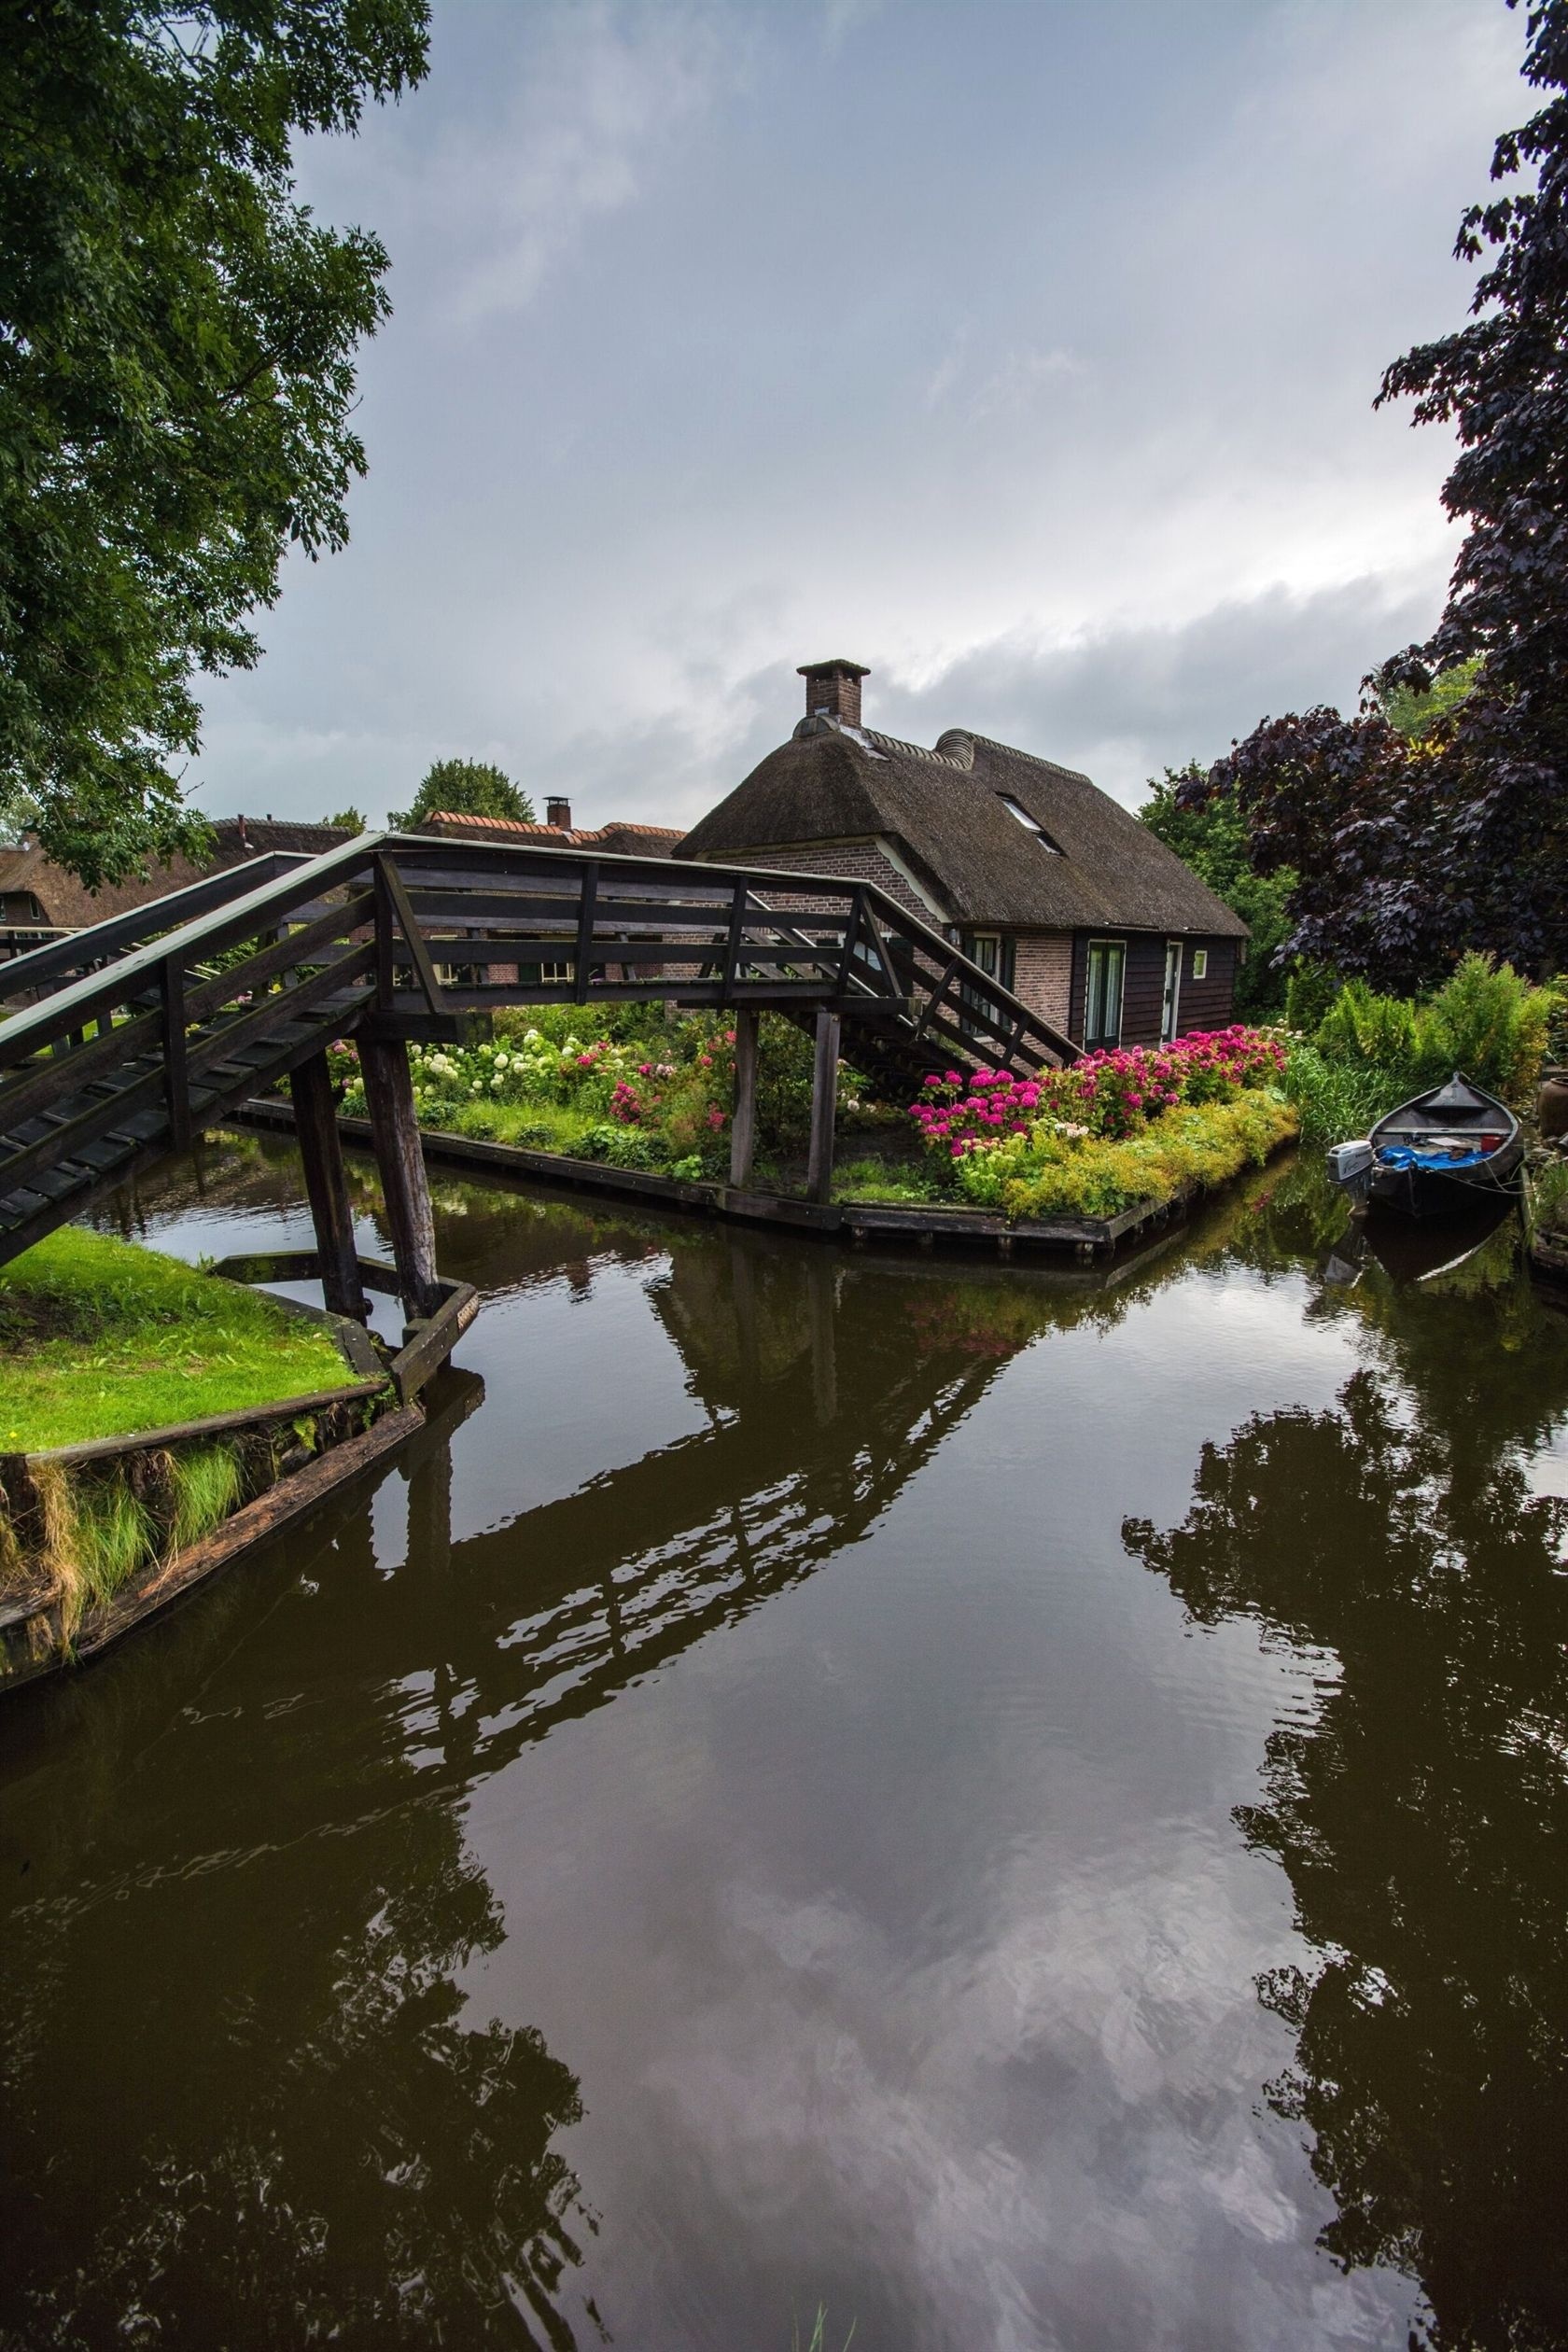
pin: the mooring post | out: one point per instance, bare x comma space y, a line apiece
743, 1126
316, 1124
395, 1132
824, 1105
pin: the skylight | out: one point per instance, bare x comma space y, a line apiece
1031, 825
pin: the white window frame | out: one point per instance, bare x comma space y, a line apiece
1173, 950
1200, 963
1104, 1043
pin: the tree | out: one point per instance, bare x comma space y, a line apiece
1410, 849
466, 787
177, 380
349, 819
1211, 837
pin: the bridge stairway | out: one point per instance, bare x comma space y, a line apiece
144, 1029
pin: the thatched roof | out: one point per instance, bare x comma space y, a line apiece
68, 904
1080, 862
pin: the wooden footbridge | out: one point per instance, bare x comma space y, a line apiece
128, 1039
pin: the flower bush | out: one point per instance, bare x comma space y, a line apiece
1032, 1144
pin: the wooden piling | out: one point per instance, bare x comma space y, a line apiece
743, 1126
824, 1107
316, 1124
395, 1132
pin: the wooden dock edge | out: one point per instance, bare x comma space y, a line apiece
843, 1221
32, 1641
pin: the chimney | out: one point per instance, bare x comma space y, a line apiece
832, 691
558, 813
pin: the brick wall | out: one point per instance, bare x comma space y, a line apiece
1042, 975
846, 860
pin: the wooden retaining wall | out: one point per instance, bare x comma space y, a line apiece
918, 1226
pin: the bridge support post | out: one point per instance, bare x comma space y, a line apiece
316, 1124
824, 1108
395, 1131
743, 1126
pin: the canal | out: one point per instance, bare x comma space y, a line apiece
1025, 1808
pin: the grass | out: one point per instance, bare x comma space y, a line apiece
101, 1337
1338, 1100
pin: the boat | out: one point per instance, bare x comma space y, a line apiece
1449, 1150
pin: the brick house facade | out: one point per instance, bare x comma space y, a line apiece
1038, 874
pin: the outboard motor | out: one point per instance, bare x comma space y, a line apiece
1350, 1166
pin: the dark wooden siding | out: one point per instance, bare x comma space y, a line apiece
1204, 1003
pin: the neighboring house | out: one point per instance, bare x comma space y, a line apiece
40, 898
620, 837
1041, 878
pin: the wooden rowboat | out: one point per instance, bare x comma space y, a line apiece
1444, 1151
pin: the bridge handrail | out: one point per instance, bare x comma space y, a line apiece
64, 949
81, 1001
233, 916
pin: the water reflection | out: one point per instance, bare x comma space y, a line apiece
1421, 1811
244, 2101
977, 1912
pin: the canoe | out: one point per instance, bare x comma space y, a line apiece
1444, 1151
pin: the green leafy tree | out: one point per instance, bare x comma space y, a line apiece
466, 788
1210, 837
177, 380
351, 819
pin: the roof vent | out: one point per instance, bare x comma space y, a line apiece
832, 691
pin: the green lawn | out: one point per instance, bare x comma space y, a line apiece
99, 1336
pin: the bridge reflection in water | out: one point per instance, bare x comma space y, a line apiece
256, 1972
252, 2087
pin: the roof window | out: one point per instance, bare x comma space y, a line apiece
1031, 825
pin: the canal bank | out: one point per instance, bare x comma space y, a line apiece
1023, 1806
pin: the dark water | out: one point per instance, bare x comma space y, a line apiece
1027, 1811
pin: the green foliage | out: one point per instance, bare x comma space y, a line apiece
464, 788
1212, 839
206, 1485
351, 819
1336, 1100
1371, 1052
114, 1534
1413, 714
176, 378
101, 1336
1311, 990
1362, 1026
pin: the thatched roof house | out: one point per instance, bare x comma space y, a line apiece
1042, 877
38, 895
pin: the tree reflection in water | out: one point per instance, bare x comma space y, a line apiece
1422, 1810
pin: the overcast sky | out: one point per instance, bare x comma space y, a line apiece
1022, 349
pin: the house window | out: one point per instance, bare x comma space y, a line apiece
1031, 825
1102, 1010
1200, 963
995, 954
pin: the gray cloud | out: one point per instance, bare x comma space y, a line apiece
1026, 353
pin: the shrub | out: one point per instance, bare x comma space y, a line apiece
1202, 1143
1487, 1021
1309, 993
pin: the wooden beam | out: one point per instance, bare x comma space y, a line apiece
315, 1123
824, 1106
176, 1074
743, 1126
395, 1133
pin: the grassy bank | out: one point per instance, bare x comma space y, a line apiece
101, 1337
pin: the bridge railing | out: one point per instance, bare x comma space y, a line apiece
509, 926
414, 932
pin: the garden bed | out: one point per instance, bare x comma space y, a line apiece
915, 1225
